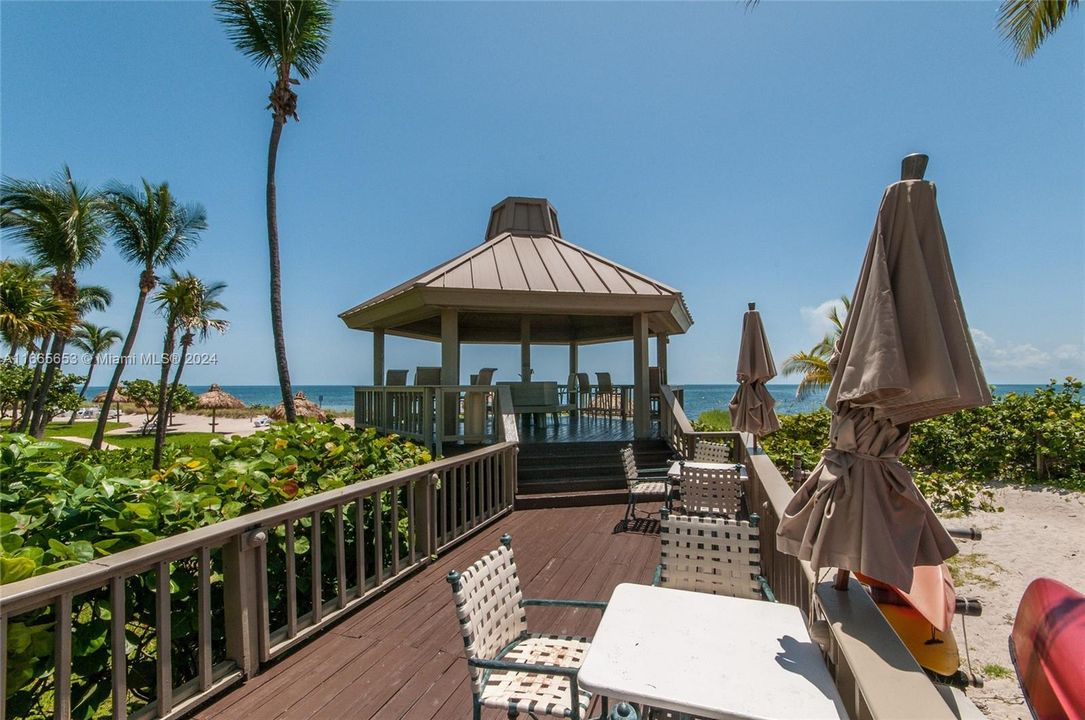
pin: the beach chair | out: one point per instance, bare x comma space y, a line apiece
512, 669
712, 491
641, 486
715, 452
711, 555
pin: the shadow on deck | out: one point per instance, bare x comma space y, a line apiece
401, 656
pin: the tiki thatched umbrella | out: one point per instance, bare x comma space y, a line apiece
752, 408
216, 399
303, 406
905, 355
118, 398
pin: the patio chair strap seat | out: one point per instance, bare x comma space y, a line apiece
650, 487
535, 692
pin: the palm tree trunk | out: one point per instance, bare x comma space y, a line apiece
163, 382
39, 419
115, 381
32, 393
86, 384
177, 375
276, 281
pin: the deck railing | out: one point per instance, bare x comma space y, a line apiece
433, 415
877, 677
362, 539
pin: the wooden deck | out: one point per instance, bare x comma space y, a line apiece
401, 656
581, 429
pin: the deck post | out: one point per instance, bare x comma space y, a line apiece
661, 356
450, 366
240, 593
525, 349
642, 410
378, 357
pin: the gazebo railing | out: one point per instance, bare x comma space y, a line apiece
263, 582
433, 415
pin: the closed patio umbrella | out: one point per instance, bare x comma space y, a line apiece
905, 355
752, 408
216, 399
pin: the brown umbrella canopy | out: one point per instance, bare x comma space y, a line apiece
118, 397
303, 406
752, 407
905, 354
218, 399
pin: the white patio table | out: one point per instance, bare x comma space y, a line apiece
709, 656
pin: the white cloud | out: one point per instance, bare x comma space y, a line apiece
817, 318
998, 355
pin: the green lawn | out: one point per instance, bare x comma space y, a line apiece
81, 428
198, 443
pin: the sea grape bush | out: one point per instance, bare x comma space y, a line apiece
64, 511
1037, 437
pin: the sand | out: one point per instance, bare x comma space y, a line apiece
1041, 533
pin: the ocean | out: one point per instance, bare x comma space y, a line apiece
699, 398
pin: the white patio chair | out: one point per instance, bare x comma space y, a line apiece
641, 485
511, 669
711, 491
711, 555
706, 451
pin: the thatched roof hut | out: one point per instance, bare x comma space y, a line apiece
216, 399
303, 406
118, 397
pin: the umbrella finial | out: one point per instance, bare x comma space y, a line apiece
751, 306
913, 166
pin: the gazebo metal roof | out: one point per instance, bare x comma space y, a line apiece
525, 268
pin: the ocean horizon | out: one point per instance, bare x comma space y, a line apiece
698, 397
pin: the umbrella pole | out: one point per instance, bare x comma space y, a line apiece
213, 412
841, 582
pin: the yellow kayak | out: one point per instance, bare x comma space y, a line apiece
933, 650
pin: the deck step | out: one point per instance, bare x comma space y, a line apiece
571, 499
566, 484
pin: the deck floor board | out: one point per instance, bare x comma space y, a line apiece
401, 656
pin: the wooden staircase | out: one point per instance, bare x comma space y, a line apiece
578, 474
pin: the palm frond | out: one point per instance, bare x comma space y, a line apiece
1026, 24
279, 33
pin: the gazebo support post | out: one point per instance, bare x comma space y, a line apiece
525, 349
574, 368
450, 367
378, 357
642, 420
661, 357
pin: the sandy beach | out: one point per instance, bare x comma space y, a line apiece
1041, 533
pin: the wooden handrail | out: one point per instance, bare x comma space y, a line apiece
440, 504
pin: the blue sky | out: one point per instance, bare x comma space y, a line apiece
738, 155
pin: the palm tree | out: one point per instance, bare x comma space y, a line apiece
813, 364
60, 225
94, 340
28, 309
284, 35
199, 322
1026, 24
178, 298
152, 230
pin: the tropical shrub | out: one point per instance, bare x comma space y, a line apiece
62, 512
15, 383
1032, 438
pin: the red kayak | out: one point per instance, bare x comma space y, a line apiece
1047, 646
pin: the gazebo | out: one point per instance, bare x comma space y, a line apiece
526, 284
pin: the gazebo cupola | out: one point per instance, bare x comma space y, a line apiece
526, 284
523, 216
